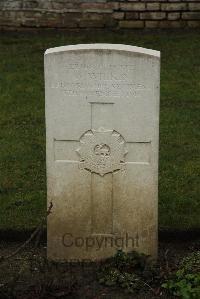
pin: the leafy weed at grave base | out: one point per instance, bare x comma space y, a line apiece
185, 282
130, 271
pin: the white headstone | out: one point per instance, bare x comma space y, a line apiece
102, 124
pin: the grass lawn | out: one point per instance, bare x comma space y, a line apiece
22, 134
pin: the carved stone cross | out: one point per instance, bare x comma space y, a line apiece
102, 151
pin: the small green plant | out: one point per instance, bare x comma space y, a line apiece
191, 263
130, 271
185, 282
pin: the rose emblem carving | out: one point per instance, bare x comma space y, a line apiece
102, 151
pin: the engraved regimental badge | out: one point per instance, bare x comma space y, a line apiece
102, 151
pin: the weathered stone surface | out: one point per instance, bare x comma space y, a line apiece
91, 24
118, 12
102, 119
11, 4
93, 17
191, 15
194, 6
153, 15
131, 24
172, 24
174, 6
132, 15
30, 4
118, 15
132, 6
100, 6
173, 16
153, 6
152, 24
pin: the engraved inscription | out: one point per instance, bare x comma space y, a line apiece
116, 88
100, 81
102, 151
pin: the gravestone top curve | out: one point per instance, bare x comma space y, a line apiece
100, 46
